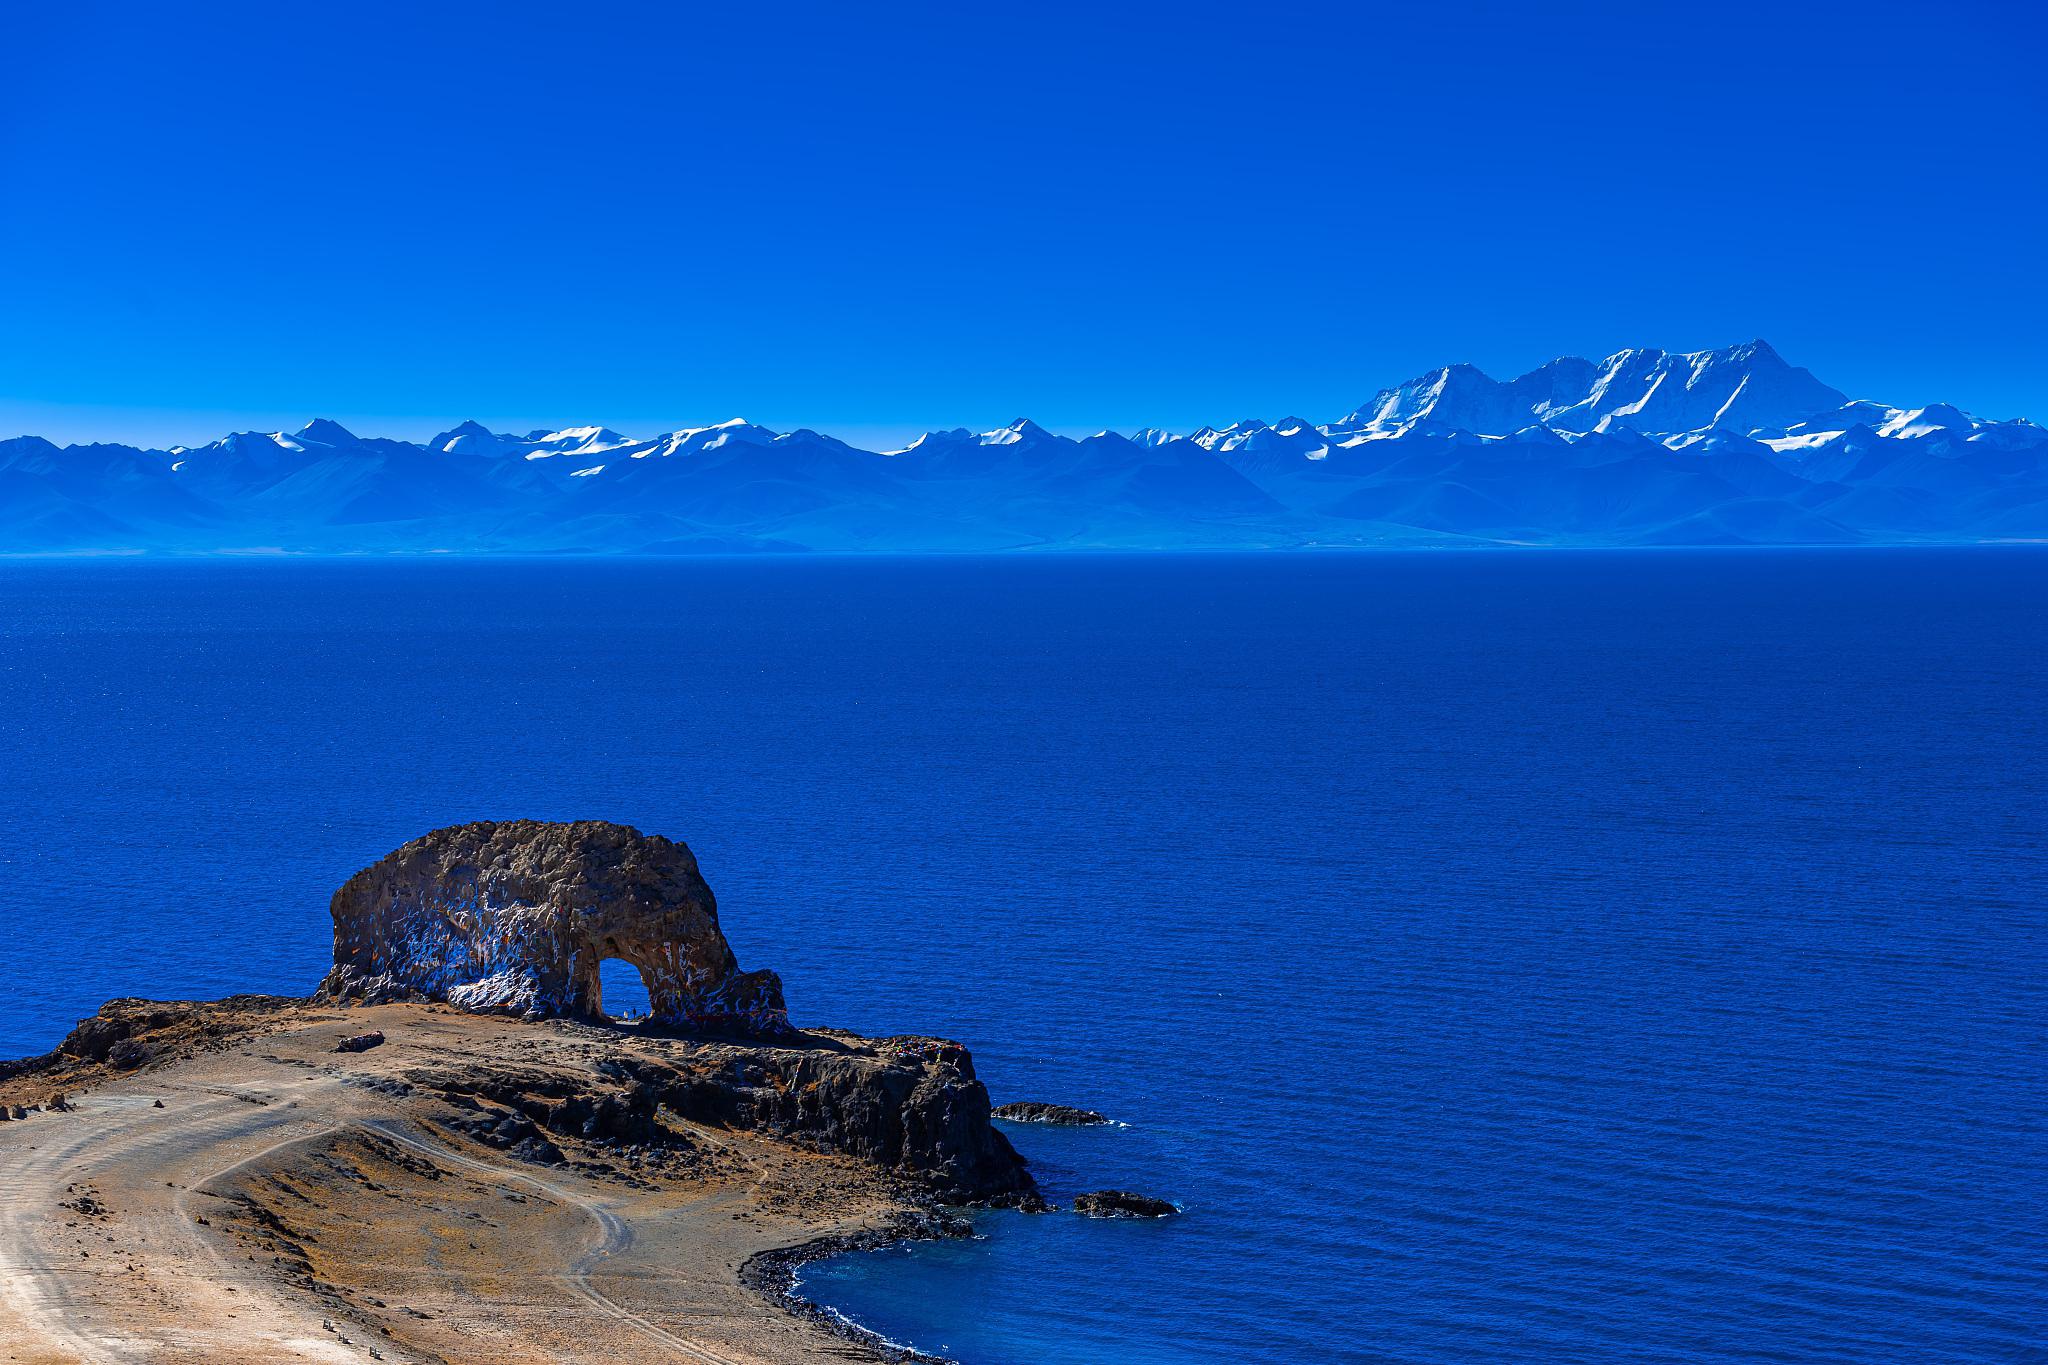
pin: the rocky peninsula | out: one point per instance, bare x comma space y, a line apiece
450, 1154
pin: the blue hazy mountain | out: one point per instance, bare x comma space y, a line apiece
1724, 447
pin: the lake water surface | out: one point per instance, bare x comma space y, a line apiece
1503, 957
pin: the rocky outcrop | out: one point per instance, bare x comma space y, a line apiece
1058, 1115
1121, 1204
911, 1106
515, 916
129, 1033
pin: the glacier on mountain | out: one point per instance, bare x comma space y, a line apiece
1644, 447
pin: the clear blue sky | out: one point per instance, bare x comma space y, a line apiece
874, 219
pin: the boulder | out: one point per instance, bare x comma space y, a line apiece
515, 916
360, 1042
1121, 1204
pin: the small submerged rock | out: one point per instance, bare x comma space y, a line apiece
1121, 1204
1038, 1111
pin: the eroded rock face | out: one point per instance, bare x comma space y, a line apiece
911, 1106
515, 916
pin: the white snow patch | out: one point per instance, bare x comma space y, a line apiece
1812, 440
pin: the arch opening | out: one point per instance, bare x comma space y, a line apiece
622, 991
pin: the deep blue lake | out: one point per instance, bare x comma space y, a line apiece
1504, 957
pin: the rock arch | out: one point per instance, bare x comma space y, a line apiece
515, 916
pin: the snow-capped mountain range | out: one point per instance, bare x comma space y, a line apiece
1645, 447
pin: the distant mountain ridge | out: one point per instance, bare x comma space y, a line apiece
1746, 386
1733, 446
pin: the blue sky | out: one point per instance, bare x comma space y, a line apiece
877, 219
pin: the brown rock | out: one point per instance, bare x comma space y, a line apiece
514, 917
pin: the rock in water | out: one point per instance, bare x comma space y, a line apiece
515, 916
1121, 1204
1060, 1115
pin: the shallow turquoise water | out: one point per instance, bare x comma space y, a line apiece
1504, 957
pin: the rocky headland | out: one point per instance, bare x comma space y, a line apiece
451, 1154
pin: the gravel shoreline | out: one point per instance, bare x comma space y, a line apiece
772, 1274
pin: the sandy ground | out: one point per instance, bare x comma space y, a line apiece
279, 1206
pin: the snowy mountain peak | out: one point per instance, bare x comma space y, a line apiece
1743, 387
1021, 429
1921, 421
586, 438
1226, 438
1462, 397
326, 431
472, 437
253, 443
